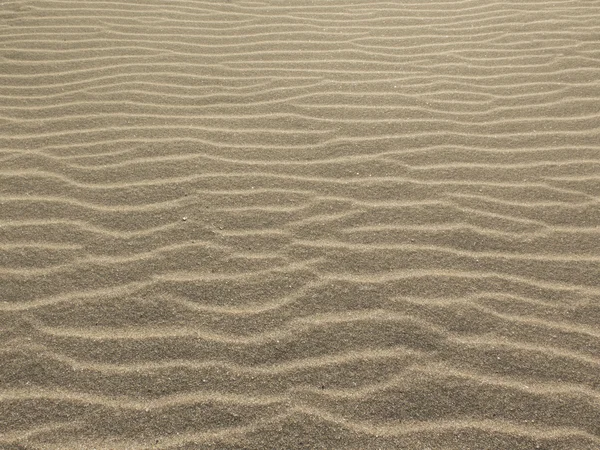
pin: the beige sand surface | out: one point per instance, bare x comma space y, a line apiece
298, 224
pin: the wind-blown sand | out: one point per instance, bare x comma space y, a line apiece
299, 224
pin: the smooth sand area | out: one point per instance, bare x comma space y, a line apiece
299, 225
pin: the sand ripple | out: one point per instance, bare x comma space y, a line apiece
243, 224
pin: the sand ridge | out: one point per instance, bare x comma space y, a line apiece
290, 224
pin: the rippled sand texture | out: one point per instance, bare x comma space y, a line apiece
299, 224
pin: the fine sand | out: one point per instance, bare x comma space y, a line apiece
291, 224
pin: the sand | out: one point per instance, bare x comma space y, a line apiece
299, 224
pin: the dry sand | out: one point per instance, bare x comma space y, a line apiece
299, 224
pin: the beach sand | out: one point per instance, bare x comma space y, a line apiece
299, 224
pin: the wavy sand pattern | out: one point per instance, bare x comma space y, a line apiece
294, 224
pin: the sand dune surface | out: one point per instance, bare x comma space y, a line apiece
290, 224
